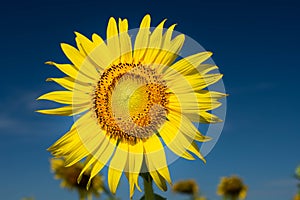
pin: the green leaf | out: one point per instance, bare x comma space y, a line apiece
156, 197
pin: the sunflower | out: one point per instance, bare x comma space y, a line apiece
297, 172
232, 188
297, 197
186, 187
68, 176
28, 198
132, 97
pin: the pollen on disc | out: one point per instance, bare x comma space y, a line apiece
130, 101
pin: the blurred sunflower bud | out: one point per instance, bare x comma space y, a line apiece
297, 172
68, 175
232, 188
186, 187
200, 198
296, 197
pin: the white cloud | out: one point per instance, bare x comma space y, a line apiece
253, 87
6, 122
288, 182
18, 114
274, 189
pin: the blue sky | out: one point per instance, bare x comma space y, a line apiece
255, 44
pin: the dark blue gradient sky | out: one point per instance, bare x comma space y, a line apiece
255, 44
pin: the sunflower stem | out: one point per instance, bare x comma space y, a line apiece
81, 197
149, 194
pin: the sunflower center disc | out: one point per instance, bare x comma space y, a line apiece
130, 101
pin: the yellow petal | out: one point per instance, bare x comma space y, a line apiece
175, 140
209, 105
156, 37
113, 179
168, 37
72, 54
192, 102
178, 83
179, 137
98, 166
68, 69
164, 172
195, 150
159, 180
186, 127
64, 97
67, 138
203, 117
123, 25
96, 169
113, 43
170, 53
63, 111
134, 163
155, 43
125, 42
101, 57
190, 130
191, 83
133, 181
76, 155
91, 134
90, 161
210, 95
83, 88
135, 157
166, 52
88, 66
100, 156
105, 150
202, 69
187, 64
142, 38
117, 166
97, 39
89, 70
183, 102
205, 68
199, 82
84, 45
66, 82
208, 117
154, 153
70, 147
